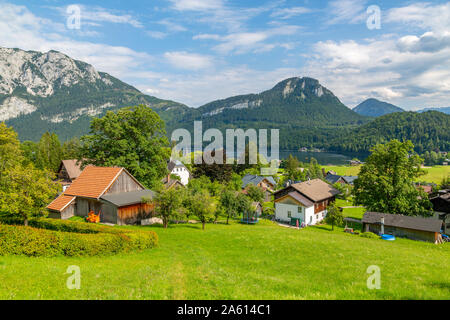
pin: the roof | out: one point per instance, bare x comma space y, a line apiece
128, 198
332, 178
73, 168
255, 180
60, 203
350, 179
316, 190
175, 164
93, 182
303, 200
169, 183
400, 221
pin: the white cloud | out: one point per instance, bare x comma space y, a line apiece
287, 13
188, 61
196, 5
423, 15
245, 42
346, 11
22, 29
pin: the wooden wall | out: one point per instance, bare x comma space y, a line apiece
124, 183
135, 213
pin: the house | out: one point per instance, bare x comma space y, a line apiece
113, 193
179, 169
170, 183
334, 178
307, 201
266, 183
415, 228
68, 171
441, 207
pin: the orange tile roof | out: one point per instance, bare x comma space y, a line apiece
93, 182
60, 203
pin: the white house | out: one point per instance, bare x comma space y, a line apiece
179, 169
307, 201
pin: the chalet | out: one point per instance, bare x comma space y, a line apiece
266, 183
441, 207
112, 193
415, 228
344, 180
179, 169
307, 201
68, 171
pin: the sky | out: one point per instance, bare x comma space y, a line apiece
197, 51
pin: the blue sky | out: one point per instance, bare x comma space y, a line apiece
196, 51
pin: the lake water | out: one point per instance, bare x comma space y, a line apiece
324, 158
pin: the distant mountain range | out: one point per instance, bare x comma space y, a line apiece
445, 110
51, 92
376, 108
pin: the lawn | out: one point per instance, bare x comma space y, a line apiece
235, 261
434, 174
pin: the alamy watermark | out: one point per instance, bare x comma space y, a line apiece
74, 280
257, 147
374, 280
74, 17
374, 20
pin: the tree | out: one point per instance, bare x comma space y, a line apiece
133, 138
386, 181
255, 193
49, 152
28, 192
216, 172
334, 216
228, 202
71, 148
203, 206
167, 204
243, 203
445, 184
24, 190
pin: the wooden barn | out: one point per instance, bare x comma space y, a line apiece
68, 171
415, 228
112, 193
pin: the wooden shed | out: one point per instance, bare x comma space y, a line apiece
415, 228
90, 191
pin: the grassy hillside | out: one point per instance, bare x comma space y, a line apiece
240, 262
434, 174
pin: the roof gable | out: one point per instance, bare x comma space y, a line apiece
73, 168
60, 203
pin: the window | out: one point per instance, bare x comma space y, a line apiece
300, 209
289, 214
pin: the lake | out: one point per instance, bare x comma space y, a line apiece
324, 158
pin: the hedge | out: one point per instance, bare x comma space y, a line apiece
48, 237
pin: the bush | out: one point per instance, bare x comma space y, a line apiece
369, 235
47, 237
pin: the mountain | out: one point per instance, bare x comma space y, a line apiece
428, 131
52, 92
376, 108
445, 110
303, 110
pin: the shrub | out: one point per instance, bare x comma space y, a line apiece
369, 235
47, 237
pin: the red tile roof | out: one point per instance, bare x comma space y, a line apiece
60, 203
93, 182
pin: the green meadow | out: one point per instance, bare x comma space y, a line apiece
433, 174
263, 261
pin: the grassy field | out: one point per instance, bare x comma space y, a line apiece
264, 261
434, 174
